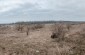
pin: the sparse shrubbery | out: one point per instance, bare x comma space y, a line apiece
27, 28
79, 48
19, 27
66, 42
79, 43
58, 32
37, 26
76, 45
68, 26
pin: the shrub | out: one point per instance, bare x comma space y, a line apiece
68, 26
37, 26
58, 32
19, 27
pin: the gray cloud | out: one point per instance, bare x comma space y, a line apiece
46, 10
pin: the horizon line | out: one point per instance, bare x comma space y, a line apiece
44, 21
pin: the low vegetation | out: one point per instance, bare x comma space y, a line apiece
42, 39
59, 32
76, 44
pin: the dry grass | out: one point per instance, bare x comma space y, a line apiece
59, 32
39, 41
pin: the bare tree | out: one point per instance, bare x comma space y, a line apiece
27, 31
20, 27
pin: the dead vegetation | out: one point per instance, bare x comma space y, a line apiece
76, 43
27, 28
39, 39
19, 27
37, 26
79, 48
58, 32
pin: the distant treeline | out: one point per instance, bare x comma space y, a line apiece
46, 22
50, 22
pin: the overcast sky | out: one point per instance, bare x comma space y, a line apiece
40, 10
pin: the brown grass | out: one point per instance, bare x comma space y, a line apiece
39, 41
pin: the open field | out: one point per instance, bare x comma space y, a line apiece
37, 40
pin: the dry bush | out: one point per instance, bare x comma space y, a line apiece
19, 27
79, 43
76, 43
68, 26
23, 28
4, 29
37, 26
58, 32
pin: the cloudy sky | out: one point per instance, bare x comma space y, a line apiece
40, 10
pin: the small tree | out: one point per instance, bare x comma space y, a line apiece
27, 31
19, 27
